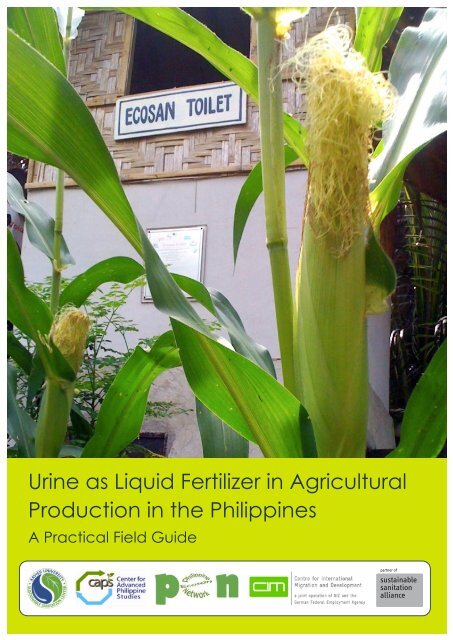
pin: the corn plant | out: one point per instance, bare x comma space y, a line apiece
101, 362
343, 273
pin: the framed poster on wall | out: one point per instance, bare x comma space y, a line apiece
181, 249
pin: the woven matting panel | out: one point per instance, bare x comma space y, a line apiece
99, 59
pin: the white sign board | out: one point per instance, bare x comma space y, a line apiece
181, 250
215, 105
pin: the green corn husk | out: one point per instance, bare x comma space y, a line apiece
330, 346
69, 333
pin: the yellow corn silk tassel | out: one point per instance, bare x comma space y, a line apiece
343, 100
69, 333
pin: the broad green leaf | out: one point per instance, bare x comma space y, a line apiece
169, 299
123, 408
220, 307
18, 352
118, 269
385, 197
26, 310
419, 73
196, 290
375, 25
32, 316
20, 425
178, 24
249, 194
244, 396
217, 438
424, 428
380, 275
49, 122
40, 226
39, 27
240, 340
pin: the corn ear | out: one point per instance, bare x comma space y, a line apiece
69, 333
330, 350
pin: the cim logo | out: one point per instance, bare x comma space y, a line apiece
269, 587
94, 587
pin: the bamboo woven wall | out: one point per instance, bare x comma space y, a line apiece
99, 67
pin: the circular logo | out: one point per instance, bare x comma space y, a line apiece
194, 584
46, 588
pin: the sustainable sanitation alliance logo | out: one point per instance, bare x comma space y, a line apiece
46, 588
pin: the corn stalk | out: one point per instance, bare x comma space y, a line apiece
57, 266
69, 331
273, 170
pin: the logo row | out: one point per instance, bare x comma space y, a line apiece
48, 587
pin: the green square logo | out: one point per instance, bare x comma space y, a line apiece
268, 586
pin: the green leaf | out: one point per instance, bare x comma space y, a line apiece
424, 428
19, 353
240, 340
375, 25
123, 408
244, 396
39, 27
220, 307
40, 226
249, 194
49, 122
25, 309
118, 269
169, 299
418, 71
196, 290
32, 316
20, 426
217, 438
380, 275
178, 24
